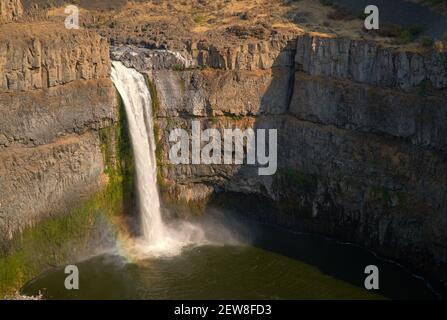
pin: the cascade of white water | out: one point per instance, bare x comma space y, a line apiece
157, 238
137, 101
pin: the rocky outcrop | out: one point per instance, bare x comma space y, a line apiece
361, 132
41, 116
218, 93
10, 10
45, 55
415, 117
361, 143
260, 55
263, 54
369, 63
55, 95
40, 182
360, 61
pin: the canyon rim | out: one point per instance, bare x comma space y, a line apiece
361, 120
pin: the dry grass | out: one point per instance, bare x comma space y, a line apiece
180, 20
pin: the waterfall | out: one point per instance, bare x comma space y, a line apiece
157, 238
137, 101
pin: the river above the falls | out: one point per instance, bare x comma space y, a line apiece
277, 264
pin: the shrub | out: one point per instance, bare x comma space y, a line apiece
201, 20
427, 41
340, 13
403, 35
178, 67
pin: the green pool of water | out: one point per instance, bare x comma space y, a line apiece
276, 265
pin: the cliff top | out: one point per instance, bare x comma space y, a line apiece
42, 30
224, 23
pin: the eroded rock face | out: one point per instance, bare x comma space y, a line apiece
367, 108
40, 182
45, 55
10, 10
144, 60
361, 148
218, 93
264, 54
367, 62
55, 95
38, 117
261, 55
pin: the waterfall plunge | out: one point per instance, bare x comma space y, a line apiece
137, 101
157, 238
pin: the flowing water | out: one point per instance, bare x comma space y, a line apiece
137, 102
220, 259
157, 238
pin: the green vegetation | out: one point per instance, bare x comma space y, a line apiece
64, 238
410, 34
402, 35
200, 20
155, 109
214, 120
426, 42
389, 197
178, 67
300, 179
158, 152
159, 158
58, 240
157, 132
232, 116
154, 96
117, 152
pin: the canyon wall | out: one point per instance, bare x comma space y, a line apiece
361, 130
10, 10
55, 98
361, 138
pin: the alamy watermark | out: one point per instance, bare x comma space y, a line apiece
205, 147
372, 280
72, 20
372, 20
72, 280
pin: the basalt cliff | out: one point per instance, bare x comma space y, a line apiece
361, 139
362, 132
